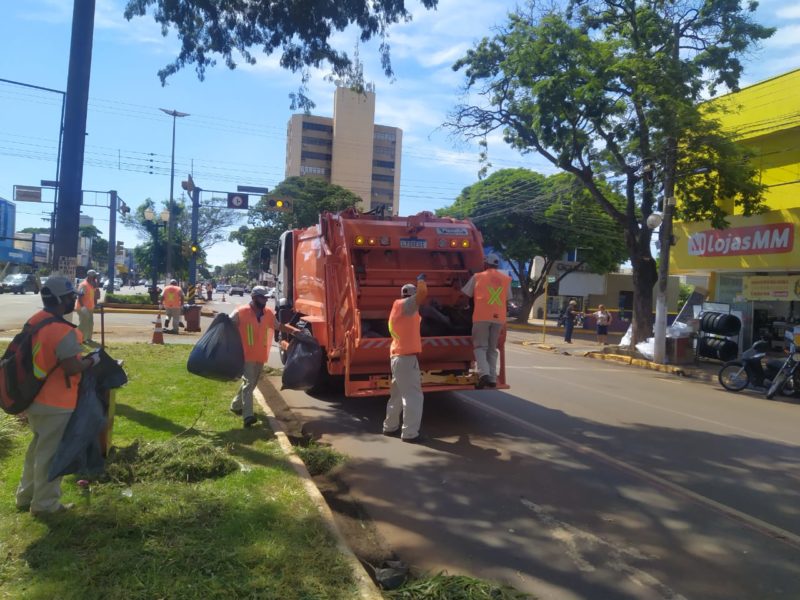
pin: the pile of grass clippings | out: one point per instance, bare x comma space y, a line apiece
455, 587
319, 459
179, 459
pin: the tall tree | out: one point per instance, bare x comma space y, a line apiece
611, 90
302, 31
309, 196
522, 214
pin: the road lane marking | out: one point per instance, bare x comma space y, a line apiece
754, 523
618, 396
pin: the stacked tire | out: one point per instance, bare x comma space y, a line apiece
717, 348
720, 323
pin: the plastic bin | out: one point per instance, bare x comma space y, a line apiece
192, 314
680, 350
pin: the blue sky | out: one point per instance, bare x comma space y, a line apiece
235, 134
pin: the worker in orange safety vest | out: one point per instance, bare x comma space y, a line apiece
88, 295
56, 359
172, 302
255, 323
490, 290
406, 391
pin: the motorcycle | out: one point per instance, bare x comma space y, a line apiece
789, 374
750, 371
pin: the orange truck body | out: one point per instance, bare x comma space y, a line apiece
340, 277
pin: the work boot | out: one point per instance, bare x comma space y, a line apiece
250, 421
483, 382
59, 509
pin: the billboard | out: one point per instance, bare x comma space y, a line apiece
8, 218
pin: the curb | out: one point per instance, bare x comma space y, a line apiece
366, 588
638, 362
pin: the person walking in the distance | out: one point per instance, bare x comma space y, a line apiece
57, 359
570, 314
490, 290
406, 392
88, 295
603, 318
255, 323
172, 301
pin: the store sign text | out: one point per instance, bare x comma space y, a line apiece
736, 241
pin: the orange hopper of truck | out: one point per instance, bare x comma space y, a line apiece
339, 278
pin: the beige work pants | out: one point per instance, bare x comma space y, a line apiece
244, 397
485, 335
406, 397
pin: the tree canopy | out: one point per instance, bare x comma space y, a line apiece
301, 31
522, 214
608, 91
309, 196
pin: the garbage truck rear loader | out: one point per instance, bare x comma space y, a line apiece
339, 278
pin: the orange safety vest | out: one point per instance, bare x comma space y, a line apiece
58, 390
491, 295
171, 297
404, 330
86, 296
254, 333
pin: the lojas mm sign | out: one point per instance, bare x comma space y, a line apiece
774, 238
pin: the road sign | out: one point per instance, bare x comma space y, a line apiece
27, 193
48, 183
249, 189
237, 200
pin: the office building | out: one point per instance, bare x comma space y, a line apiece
349, 150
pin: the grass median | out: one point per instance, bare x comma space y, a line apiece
192, 506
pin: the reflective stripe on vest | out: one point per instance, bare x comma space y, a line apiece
172, 296
254, 334
404, 330
491, 295
58, 389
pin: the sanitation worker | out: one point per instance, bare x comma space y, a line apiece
255, 323
490, 290
172, 301
57, 359
406, 391
88, 295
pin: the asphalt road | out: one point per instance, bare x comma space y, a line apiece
585, 480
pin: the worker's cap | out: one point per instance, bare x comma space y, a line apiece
91, 273
492, 259
173, 282
407, 290
57, 286
258, 290
575, 302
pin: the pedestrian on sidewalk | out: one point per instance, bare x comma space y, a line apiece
490, 290
255, 323
406, 396
570, 314
172, 301
603, 318
88, 295
58, 361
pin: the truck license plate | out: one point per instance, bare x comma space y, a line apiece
412, 243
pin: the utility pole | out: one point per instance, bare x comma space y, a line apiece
65, 245
112, 238
171, 225
665, 231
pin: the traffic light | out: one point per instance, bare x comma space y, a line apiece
279, 204
120, 248
188, 185
123, 208
194, 248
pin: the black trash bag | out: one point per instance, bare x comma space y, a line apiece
391, 574
218, 354
303, 363
109, 373
79, 450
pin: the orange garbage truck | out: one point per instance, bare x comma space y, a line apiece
338, 279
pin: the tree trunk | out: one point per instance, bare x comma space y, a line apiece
644, 278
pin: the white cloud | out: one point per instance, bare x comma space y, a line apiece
785, 37
788, 12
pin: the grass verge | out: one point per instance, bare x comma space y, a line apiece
193, 505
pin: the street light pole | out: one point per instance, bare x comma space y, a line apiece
171, 229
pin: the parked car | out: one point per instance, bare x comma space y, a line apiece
512, 309
223, 288
237, 288
19, 283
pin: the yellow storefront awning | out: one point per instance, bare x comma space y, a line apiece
765, 242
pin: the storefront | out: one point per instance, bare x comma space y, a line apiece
753, 267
